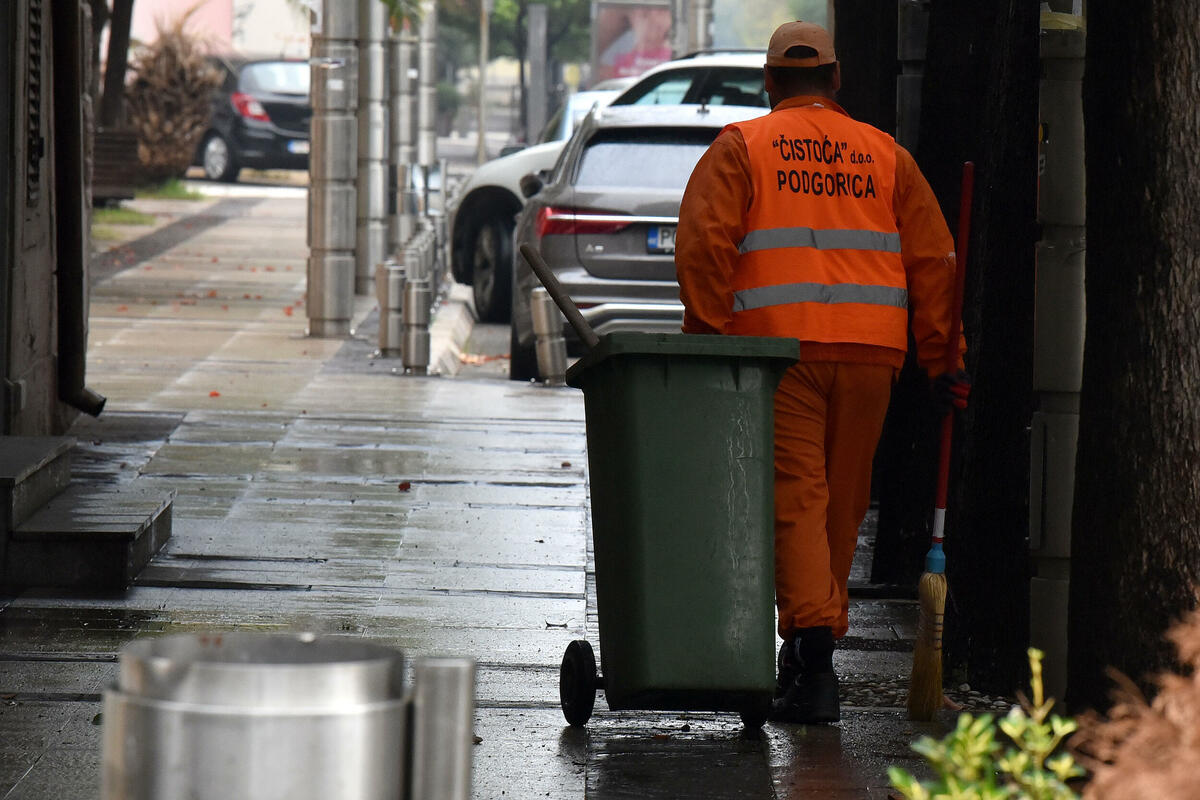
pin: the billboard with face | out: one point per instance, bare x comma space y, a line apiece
629, 38
749, 23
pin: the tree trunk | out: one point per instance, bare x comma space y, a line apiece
100, 15
1135, 560
979, 95
866, 48
112, 103
992, 572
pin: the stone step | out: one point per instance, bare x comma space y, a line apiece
33, 469
92, 536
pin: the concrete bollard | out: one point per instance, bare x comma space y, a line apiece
549, 343
418, 299
443, 711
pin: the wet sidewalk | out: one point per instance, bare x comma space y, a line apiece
320, 490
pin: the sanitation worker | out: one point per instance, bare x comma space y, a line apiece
808, 224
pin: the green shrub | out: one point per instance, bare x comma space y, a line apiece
121, 216
170, 189
969, 765
448, 98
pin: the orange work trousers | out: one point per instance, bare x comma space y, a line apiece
828, 417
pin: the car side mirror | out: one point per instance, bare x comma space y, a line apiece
509, 149
531, 184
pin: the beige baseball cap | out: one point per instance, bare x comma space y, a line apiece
803, 34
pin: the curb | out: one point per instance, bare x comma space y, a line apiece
453, 321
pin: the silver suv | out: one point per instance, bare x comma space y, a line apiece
481, 217
604, 219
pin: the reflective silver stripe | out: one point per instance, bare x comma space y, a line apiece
763, 296
828, 239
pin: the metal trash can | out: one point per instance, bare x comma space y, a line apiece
247, 716
680, 432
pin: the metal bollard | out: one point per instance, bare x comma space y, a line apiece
389, 289
549, 343
427, 86
248, 716
409, 203
416, 312
332, 169
372, 141
429, 255
443, 710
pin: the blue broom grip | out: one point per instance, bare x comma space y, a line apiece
935, 559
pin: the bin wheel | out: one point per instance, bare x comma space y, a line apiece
754, 714
577, 683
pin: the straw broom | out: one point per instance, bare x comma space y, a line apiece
925, 686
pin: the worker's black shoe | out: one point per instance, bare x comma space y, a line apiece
811, 699
806, 690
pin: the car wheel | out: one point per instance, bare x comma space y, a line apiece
522, 361
491, 268
218, 161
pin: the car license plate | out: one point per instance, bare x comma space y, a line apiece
660, 239
298, 146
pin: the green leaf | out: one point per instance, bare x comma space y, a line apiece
1064, 767
1063, 727
906, 784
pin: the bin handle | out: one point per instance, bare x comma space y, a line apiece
534, 259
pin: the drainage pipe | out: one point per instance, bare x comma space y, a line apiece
71, 208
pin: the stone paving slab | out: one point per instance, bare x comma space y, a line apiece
49, 749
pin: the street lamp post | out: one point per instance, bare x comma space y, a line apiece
485, 13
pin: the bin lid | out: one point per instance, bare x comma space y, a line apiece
261, 670
684, 344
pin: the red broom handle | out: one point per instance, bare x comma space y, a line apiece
960, 272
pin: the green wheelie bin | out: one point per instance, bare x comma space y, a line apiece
680, 432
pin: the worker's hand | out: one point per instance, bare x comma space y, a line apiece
950, 391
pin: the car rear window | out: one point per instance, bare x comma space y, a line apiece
664, 88
733, 87
648, 159
276, 77
718, 86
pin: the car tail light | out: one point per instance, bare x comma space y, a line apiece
248, 107
551, 220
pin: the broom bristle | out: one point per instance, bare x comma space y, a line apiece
925, 687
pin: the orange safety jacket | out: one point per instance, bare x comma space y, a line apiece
820, 260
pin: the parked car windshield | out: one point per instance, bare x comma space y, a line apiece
276, 77
651, 159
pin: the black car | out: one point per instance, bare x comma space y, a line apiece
260, 119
